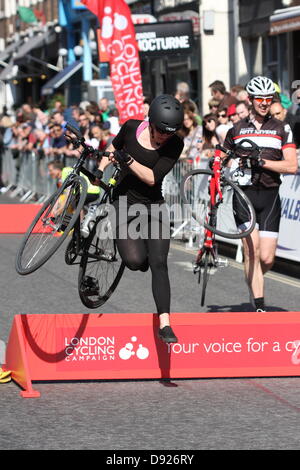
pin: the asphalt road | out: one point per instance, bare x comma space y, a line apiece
257, 413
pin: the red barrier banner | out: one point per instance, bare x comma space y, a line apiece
125, 346
16, 218
119, 42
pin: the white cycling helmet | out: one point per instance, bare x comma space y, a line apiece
261, 86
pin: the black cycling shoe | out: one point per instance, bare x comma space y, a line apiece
166, 334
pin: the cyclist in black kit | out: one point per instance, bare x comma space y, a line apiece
278, 153
148, 151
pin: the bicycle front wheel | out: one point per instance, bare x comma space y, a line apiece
101, 266
232, 217
51, 225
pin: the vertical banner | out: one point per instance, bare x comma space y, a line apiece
102, 54
118, 39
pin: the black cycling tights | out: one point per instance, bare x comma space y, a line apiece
139, 254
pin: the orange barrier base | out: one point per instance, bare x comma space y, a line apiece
16, 218
125, 346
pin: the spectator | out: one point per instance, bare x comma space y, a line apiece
95, 135
146, 106
209, 136
58, 143
219, 93
242, 109
84, 125
91, 111
232, 114
27, 113
75, 112
213, 106
284, 99
107, 136
296, 101
41, 142
58, 118
192, 136
278, 111
114, 122
27, 139
182, 94
223, 125
236, 89
190, 107
59, 172
41, 119
105, 110
243, 96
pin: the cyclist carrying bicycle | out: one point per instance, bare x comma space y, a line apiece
148, 150
261, 181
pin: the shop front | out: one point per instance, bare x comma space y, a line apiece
162, 70
284, 39
160, 45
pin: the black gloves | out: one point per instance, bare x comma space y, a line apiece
98, 174
122, 157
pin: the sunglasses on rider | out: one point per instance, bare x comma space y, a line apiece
222, 115
260, 99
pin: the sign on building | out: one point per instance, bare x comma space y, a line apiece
165, 38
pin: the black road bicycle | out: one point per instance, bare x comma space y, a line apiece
101, 267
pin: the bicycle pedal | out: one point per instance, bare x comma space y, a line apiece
196, 268
107, 257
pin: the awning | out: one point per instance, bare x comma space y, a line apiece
32, 43
4, 55
285, 20
7, 71
60, 78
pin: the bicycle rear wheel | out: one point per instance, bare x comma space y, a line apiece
51, 225
233, 215
101, 266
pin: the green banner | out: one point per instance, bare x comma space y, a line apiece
27, 15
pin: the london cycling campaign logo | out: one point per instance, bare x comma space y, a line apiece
128, 351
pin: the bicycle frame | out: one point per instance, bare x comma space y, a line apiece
209, 237
80, 244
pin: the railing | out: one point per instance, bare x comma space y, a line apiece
27, 178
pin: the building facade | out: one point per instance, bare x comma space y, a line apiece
28, 49
232, 40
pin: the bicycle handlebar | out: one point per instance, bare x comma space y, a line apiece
74, 131
253, 148
120, 156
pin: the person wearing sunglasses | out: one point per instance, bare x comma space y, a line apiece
209, 136
262, 180
148, 150
223, 124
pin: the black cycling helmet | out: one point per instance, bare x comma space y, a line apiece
166, 113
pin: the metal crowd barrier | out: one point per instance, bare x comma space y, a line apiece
183, 225
26, 176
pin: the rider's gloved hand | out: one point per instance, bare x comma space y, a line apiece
257, 162
98, 174
122, 157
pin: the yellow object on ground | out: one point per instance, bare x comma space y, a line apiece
5, 376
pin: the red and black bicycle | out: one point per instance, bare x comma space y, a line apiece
218, 205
